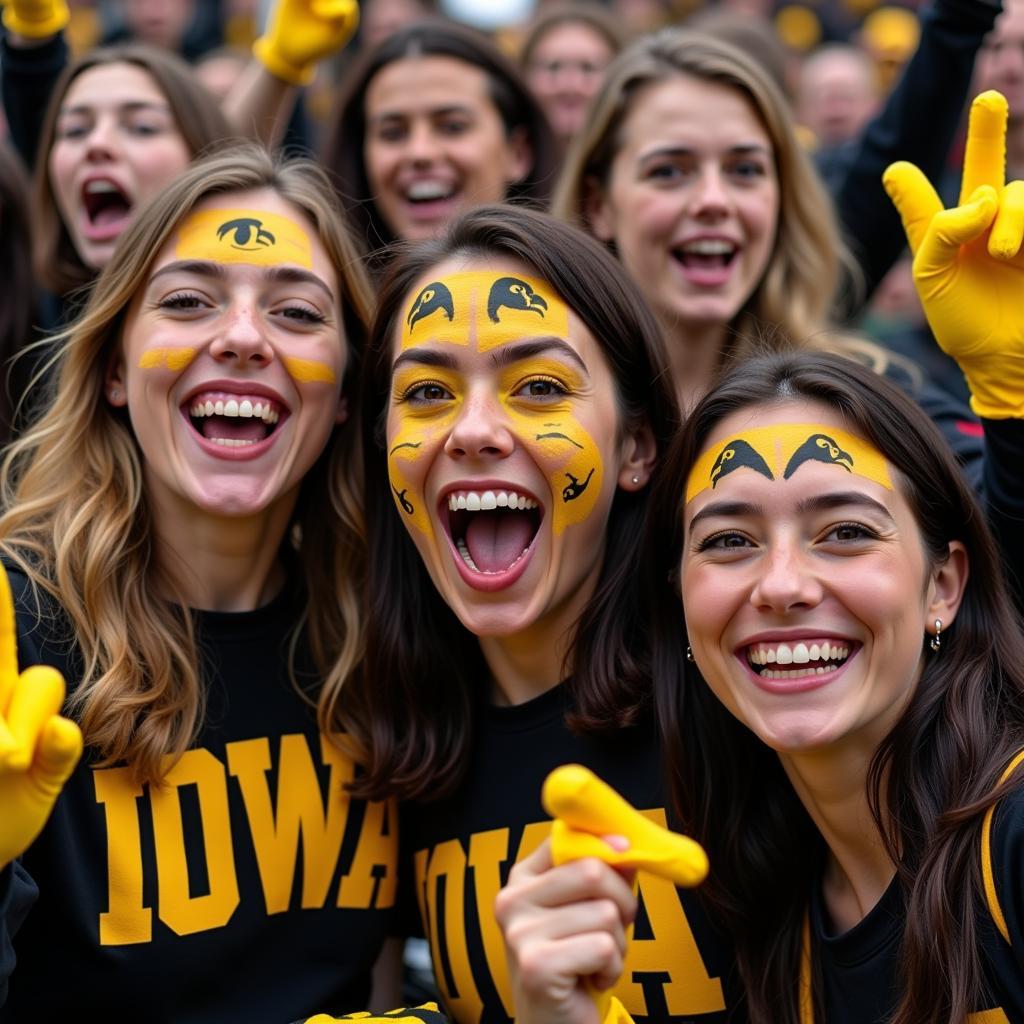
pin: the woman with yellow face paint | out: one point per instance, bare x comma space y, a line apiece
843, 712
515, 402
182, 538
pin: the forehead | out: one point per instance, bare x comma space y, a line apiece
493, 301
695, 111
113, 84
572, 37
423, 83
1009, 25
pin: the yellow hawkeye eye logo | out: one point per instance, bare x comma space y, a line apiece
250, 234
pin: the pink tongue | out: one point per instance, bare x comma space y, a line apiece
111, 213
496, 539
235, 427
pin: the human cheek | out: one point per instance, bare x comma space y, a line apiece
567, 455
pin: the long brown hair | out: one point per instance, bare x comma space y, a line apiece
934, 775
77, 520
196, 114
412, 708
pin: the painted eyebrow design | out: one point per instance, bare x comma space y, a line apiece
209, 268
819, 503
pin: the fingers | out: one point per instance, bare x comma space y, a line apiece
328, 9
1008, 230
915, 200
38, 696
953, 228
985, 154
57, 753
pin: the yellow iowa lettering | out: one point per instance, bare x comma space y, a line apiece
372, 880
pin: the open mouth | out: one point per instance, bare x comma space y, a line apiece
798, 660
423, 193
491, 530
106, 205
234, 421
706, 255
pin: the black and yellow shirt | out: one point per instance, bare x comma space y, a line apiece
247, 887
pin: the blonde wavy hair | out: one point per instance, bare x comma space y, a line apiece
78, 522
799, 284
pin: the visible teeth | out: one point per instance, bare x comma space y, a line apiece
230, 407
97, 187
472, 502
801, 655
784, 655
428, 190
218, 408
468, 559
485, 501
245, 408
709, 247
794, 673
231, 442
502, 499
815, 652
488, 501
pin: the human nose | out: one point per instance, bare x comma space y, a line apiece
100, 143
422, 146
711, 196
786, 580
480, 430
243, 339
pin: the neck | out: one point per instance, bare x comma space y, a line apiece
217, 563
831, 784
694, 356
532, 661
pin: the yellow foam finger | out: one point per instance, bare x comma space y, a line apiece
953, 228
584, 804
1008, 230
57, 753
985, 153
915, 199
37, 697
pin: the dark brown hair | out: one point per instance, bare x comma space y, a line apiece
594, 16
196, 115
343, 153
413, 708
17, 300
935, 774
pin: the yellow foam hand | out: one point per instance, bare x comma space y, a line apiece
38, 748
968, 265
35, 19
302, 32
584, 809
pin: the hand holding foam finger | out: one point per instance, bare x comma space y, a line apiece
565, 933
585, 808
36, 19
300, 33
968, 264
48, 748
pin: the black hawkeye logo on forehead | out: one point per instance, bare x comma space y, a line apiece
735, 455
514, 294
250, 234
434, 297
818, 448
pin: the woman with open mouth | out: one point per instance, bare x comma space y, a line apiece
432, 122
182, 537
843, 712
515, 408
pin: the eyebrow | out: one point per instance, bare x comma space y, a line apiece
209, 268
740, 150
504, 356
819, 503
401, 115
425, 357
130, 106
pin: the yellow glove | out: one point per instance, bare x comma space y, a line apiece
38, 748
302, 32
585, 808
968, 267
35, 19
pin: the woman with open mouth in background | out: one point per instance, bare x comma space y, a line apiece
516, 405
182, 536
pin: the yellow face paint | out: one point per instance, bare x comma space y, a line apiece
309, 371
175, 359
777, 452
484, 308
244, 236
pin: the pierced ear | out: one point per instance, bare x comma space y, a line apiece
947, 587
114, 381
639, 454
597, 210
341, 412
520, 155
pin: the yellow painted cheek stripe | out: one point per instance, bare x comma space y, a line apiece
244, 236
309, 371
777, 452
175, 359
490, 308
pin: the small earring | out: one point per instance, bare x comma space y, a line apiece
936, 641
115, 394
689, 653
636, 479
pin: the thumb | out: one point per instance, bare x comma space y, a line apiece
953, 228
58, 751
914, 198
